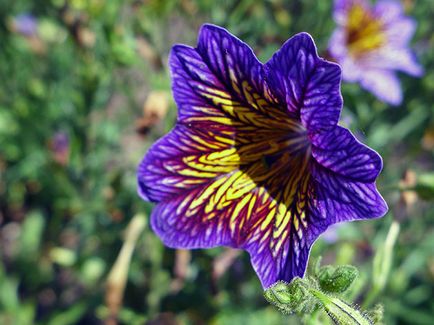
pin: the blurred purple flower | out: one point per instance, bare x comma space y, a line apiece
25, 24
371, 43
59, 145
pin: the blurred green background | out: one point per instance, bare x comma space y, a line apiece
85, 90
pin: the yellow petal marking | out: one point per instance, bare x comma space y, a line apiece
240, 205
364, 31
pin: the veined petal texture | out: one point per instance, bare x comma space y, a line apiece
256, 160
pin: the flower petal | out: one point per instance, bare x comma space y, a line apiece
338, 198
400, 31
342, 153
388, 10
395, 59
351, 71
289, 262
231, 60
195, 86
383, 84
235, 96
395, 55
306, 84
184, 159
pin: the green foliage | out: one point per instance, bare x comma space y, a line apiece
72, 131
312, 294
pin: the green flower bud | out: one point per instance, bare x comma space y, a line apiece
336, 280
278, 293
280, 296
292, 297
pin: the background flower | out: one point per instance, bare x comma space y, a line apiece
371, 43
60, 147
25, 24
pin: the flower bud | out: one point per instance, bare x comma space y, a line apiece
336, 280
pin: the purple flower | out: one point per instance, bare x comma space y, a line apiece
371, 43
25, 24
59, 145
256, 160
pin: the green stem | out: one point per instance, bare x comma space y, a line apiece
340, 311
371, 296
382, 264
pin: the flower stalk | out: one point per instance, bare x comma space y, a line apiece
339, 310
308, 296
117, 278
382, 264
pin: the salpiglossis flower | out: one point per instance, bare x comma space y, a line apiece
256, 160
371, 44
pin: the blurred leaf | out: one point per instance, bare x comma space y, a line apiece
425, 186
92, 270
70, 316
63, 256
9, 294
31, 235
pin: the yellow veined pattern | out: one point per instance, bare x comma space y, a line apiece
245, 197
243, 149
